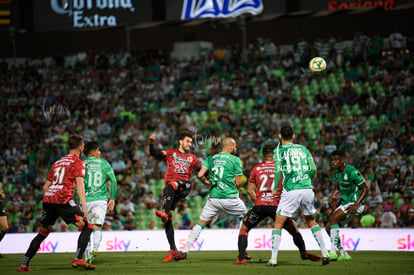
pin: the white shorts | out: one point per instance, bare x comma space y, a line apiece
293, 200
344, 208
233, 207
97, 211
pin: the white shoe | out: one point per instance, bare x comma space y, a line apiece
272, 262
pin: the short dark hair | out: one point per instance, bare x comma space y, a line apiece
268, 149
74, 141
90, 146
338, 153
286, 132
185, 133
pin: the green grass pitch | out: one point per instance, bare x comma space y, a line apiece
216, 262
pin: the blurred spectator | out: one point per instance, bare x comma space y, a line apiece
151, 202
129, 222
367, 219
388, 219
409, 222
117, 223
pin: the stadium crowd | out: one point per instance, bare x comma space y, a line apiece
362, 104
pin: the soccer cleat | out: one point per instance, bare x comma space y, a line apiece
170, 256
238, 262
180, 256
92, 256
24, 269
325, 260
272, 262
344, 258
164, 217
81, 262
247, 256
332, 256
310, 256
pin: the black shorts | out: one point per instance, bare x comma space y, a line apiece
70, 212
182, 191
2, 211
258, 213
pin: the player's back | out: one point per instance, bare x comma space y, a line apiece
296, 164
62, 175
97, 171
263, 176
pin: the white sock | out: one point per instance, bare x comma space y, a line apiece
276, 240
88, 249
192, 237
97, 238
317, 234
334, 238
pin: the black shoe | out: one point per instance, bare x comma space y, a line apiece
325, 260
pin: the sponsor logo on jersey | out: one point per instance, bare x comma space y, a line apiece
181, 164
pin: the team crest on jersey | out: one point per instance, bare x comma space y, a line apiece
181, 165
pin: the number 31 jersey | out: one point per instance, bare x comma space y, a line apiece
62, 175
97, 171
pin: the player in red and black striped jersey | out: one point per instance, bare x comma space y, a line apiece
64, 175
260, 189
180, 166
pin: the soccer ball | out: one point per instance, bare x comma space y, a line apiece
317, 64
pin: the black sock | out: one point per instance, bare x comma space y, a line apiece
83, 241
242, 243
168, 198
298, 240
2, 233
169, 231
33, 248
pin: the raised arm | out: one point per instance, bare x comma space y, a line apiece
154, 151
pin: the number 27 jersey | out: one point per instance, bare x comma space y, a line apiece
263, 176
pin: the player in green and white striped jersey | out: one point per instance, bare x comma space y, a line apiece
97, 172
353, 190
295, 163
224, 172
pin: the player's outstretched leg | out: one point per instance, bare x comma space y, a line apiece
192, 237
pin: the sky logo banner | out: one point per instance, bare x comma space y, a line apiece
48, 247
197, 245
350, 243
117, 245
193, 9
406, 243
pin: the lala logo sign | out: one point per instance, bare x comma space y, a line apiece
117, 245
219, 8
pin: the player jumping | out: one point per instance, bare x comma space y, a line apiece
180, 165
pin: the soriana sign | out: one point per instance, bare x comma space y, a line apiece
341, 5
